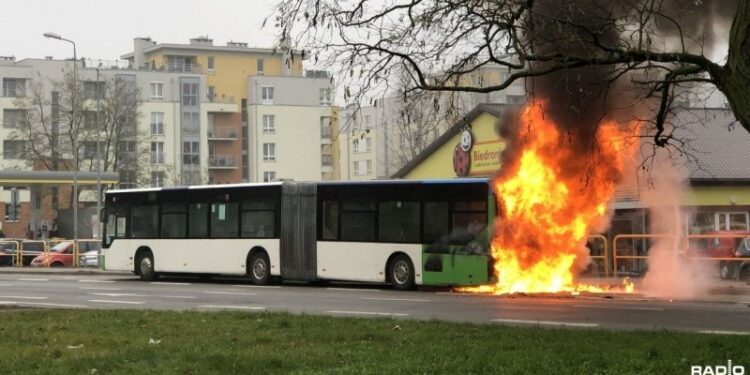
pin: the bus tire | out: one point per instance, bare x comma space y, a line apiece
726, 270
401, 272
145, 264
259, 268
745, 272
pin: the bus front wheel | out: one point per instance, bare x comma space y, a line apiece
260, 268
401, 272
145, 263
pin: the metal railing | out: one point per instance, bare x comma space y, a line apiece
51, 253
633, 257
223, 132
222, 161
603, 258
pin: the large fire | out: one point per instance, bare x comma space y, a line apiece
547, 212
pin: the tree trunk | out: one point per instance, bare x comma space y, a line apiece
734, 78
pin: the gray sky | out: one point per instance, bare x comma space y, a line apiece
104, 29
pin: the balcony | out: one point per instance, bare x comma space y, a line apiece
223, 133
183, 67
327, 160
222, 162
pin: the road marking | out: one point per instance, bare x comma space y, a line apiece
6, 284
118, 294
396, 299
22, 297
180, 297
33, 279
355, 290
620, 307
260, 286
168, 283
740, 333
96, 281
115, 301
232, 307
99, 288
47, 304
230, 293
546, 322
365, 313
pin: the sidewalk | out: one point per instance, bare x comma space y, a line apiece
718, 290
61, 271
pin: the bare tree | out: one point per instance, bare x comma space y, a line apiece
658, 47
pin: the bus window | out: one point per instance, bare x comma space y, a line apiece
358, 221
436, 221
145, 221
173, 220
469, 219
198, 220
258, 219
110, 229
398, 221
330, 220
224, 220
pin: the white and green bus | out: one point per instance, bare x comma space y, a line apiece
401, 232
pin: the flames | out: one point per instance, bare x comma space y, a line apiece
550, 202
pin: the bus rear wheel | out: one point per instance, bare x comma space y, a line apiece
145, 264
259, 268
401, 273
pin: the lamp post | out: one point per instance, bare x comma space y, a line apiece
98, 157
75, 136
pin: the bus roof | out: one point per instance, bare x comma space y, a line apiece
325, 183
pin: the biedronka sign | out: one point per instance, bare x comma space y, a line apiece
476, 158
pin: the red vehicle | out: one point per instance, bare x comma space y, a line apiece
720, 247
61, 255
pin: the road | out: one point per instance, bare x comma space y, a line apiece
613, 312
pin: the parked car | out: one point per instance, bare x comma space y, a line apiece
719, 247
741, 268
89, 259
61, 255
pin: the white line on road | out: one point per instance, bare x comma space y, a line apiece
46, 304
177, 297
6, 284
99, 288
545, 322
396, 299
355, 290
22, 297
230, 293
95, 281
365, 313
232, 307
115, 301
33, 279
118, 294
620, 307
740, 333
168, 283
260, 286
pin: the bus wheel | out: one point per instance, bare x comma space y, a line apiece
401, 273
726, 270
260, 268
145, 265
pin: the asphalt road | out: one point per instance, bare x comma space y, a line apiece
586, 311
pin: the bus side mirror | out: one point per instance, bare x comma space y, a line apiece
103, 215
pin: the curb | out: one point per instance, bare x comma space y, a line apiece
49, 271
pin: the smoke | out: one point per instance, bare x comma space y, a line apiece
669, 275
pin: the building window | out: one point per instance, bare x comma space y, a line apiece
368, 124
91, 89
261, 67
191, 126
515, 99
191, 153
14, 87
190, 94
210, 63
157, 179
355, 146
13, 118
327, 160
211, 93
368, 164
325, 127
89, 120
362, 167
269, 176
157, 152
157, 123
269, 152
368, 144
157, 90
267, 94
126, 147
13, 208
325, 96
14, 150
89, 149
128, 178
269, 124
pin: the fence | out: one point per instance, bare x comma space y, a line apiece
51, 253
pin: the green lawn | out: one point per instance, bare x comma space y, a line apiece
49, 341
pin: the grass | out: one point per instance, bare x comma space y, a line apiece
117, 342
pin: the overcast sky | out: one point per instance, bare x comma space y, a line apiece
104, 29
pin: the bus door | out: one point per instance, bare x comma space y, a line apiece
298, 240
116, 219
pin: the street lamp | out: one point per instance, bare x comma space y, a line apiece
75, 136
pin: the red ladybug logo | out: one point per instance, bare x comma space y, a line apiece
461, 161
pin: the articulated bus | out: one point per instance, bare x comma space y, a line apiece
405, 233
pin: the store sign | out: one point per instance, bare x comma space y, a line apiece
472, 158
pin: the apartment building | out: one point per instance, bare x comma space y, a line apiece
231, 71
377, 140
